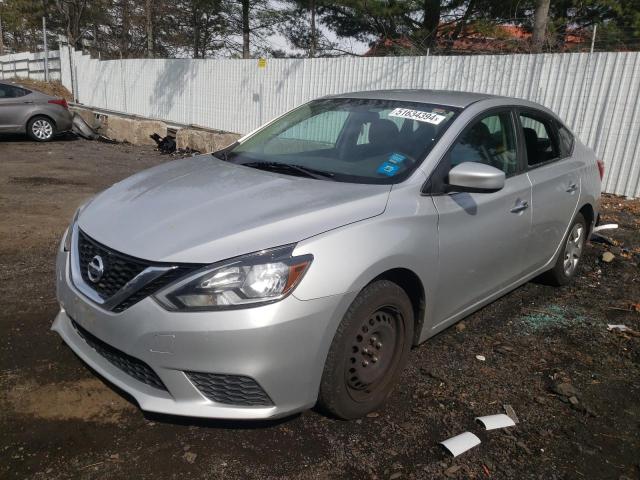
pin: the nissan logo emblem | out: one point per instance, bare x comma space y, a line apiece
95, 269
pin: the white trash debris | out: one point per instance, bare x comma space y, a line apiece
482, 358
500, 420
620, 327
607, 257
606, 226
460, 443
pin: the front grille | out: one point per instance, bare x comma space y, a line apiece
128, 364
119, 269
230, 389
153, 286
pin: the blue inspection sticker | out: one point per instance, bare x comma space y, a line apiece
389, 169
397, 158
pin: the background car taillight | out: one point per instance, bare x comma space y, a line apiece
600, 168
60, 101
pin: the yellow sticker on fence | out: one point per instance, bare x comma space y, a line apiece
262, 63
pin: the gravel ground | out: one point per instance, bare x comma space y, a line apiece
574, 385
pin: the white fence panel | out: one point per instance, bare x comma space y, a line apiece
29, 65
597, 95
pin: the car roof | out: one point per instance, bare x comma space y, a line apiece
451, 98
13, 84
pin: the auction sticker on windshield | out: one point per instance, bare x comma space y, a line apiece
418, 115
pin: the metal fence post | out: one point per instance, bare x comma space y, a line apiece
46, 49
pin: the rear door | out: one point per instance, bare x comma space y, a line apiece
553, 173
482, 236
14, 103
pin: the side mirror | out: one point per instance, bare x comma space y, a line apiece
476, 178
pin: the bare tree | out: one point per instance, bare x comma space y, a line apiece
540, 19
1, 37
72, 11
148, 13
246, 30
313, 40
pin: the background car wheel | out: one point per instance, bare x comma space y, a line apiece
41, 129
368, 352
569, 259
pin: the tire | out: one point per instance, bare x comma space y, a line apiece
368, 352
568, 261
41, 129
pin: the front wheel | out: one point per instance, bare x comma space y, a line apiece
368, 352
569, 259
41, 129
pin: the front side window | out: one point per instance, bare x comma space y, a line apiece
539, 141
491, 140
351, 140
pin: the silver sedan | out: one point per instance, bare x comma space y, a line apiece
27, 111
302, 263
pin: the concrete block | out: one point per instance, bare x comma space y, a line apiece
119, 129
203, 140
145, 128
225, 139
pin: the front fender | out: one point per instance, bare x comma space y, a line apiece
348, 258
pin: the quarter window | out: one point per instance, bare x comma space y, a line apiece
491, 141
566, 140
539, 141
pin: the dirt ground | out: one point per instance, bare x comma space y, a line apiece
542, 345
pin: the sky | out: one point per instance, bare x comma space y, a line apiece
350, 45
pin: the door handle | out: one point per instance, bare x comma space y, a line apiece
26, 101
572, 188
521, 206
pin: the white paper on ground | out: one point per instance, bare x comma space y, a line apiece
492, 422
460, 443
622, 328
608, 226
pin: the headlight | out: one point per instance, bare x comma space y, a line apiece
247, 281
69, 233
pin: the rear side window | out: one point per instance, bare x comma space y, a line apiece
9, 91
566, 140
540, 142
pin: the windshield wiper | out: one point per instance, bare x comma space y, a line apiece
291, 168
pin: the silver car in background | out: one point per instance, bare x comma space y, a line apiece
301, 264
40, 116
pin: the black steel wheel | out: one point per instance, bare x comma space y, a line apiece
368, 352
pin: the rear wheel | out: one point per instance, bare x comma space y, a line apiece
41, 129
368, 352
569, 259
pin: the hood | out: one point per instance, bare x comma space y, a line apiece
203, 210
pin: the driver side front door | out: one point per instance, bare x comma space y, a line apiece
482, 236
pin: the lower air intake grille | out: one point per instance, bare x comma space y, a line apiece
128, 364
230, 389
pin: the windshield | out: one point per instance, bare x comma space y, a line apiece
349, 140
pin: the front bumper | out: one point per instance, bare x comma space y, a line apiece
282, 346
